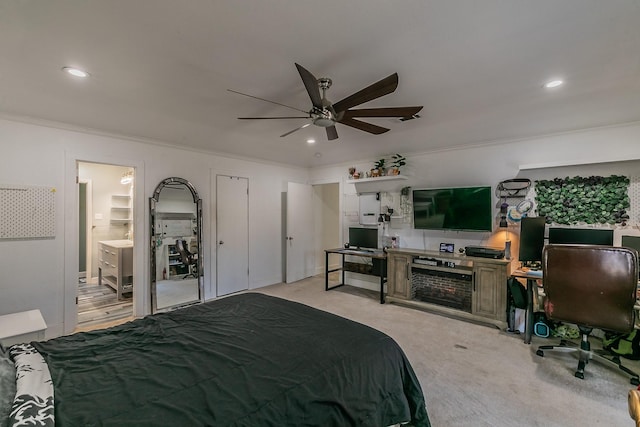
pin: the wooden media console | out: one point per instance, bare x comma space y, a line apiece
471, 288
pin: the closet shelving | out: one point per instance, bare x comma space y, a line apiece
120, 209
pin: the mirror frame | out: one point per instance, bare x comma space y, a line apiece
153, 201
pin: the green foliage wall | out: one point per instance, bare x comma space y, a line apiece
592, 200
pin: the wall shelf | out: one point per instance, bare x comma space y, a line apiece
120, 221
120, 209
377, 184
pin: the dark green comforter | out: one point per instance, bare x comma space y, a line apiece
247, 360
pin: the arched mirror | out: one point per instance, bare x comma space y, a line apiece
176, 245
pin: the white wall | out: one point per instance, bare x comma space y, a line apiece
599, 151
33, 271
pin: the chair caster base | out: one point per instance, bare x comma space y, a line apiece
579, 374
540, 353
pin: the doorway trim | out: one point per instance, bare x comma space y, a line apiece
89, 215
141, 303
340, 182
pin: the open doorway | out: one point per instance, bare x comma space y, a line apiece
327, 223
105, 240
311, 224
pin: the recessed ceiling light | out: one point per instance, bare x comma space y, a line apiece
76, 72
311, 141
553, 83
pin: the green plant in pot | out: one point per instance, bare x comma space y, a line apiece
397, 161
378, 167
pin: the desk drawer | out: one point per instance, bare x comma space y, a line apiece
108, 269
109, 255
110, 274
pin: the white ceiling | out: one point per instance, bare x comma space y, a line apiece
160, 69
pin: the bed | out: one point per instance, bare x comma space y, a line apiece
244, 360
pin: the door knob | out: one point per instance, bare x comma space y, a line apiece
221, 242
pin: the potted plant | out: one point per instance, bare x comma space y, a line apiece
397, 161
378, 167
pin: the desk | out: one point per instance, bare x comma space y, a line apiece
373, 255
531, 278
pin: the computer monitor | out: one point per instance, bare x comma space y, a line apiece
531, 239
363, 238
632, 242
580, 236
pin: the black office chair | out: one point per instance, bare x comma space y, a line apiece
592, 287
188, 259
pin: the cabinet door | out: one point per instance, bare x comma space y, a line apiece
489, 291
399, 283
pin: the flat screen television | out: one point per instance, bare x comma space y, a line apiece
580, 236
363, 238
463, 208
531, 239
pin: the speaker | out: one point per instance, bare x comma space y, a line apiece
379, 265
507, 249
541, 329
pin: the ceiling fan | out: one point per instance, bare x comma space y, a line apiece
325, 114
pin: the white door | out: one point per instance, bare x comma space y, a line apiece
232, 233
299, 233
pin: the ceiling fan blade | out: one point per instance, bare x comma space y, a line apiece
311, 84
332, 133
295, 130
266, 100
367, 127
383, 112
376, 90
273, 118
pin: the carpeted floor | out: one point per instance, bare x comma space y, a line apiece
474, 375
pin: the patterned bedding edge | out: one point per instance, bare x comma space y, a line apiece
33, 404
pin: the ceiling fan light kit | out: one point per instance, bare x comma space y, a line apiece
325, 114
